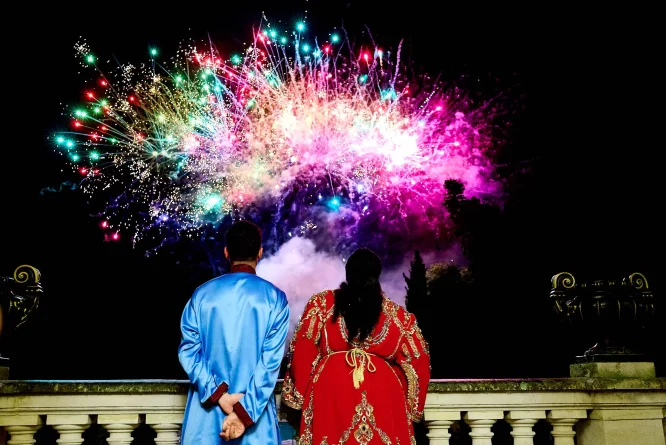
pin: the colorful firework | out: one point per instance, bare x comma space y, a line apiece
330, 141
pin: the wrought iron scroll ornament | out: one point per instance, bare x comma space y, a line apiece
630, 299
23, 292
614, 310
561, 284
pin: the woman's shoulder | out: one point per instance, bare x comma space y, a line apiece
397, 313
322, 300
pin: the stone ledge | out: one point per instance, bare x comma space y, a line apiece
94, 387
22, 387
635, 370
548, 385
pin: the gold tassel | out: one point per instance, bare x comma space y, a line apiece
357, 358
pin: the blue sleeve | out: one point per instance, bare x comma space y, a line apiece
192, 358
262, 382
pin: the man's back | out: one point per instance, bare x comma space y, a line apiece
234, 328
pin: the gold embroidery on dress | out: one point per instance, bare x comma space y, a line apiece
308, 415
305, 439
318, 315
321, 368
417, 416
363, 433
410, 427
328, 348
290, 396
424, 343
405, 351
384, 437
324, 441
412, 390
403, 327
313, 320
412, 345
314, 314
364, 425
397, 348
321, 316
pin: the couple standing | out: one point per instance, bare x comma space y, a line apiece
358, 371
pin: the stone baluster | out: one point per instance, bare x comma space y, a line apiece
119, 427
22, 428
438, 431
438, 423
563, 421
663, 423
278, 405
69, 426
481, 423
167, 427
522, 424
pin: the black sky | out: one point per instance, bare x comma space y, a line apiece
591, 129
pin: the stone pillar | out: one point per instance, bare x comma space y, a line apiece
563, 421
69, 426
119, 426
481, 422
167, 427
438, 431
641, 426
22, 428
523, 423
438, 423
663, 422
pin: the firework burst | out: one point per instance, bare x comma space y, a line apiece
331, 141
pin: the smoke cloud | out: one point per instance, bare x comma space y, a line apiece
301, 270
67, 185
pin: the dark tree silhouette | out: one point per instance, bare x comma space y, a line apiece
417, 287
417, 300
447, 277
454, 196
450, 293
478, 226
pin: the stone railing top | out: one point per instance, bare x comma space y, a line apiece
8, 387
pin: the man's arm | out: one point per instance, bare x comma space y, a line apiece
262, 382
193, 361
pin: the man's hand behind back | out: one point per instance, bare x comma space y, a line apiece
227, 402
232, 428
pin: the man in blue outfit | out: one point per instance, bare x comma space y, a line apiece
233, 335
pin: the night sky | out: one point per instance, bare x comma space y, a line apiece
588, 128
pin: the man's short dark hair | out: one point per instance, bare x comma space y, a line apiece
243, 241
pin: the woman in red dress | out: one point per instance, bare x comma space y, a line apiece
359, 365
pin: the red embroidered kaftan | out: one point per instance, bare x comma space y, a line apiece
391, 369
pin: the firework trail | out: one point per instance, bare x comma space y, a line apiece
313, 139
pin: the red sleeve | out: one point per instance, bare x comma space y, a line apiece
414, 360
215, 397
304, 352
243, 416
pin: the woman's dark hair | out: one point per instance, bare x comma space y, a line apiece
359, 299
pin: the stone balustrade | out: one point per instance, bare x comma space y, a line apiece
594, 411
